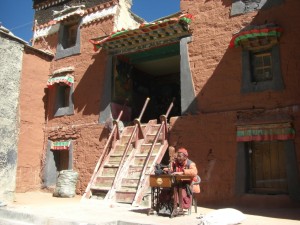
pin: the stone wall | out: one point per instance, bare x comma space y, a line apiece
10, 72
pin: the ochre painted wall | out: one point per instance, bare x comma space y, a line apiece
210, 135
83, 128
33, 100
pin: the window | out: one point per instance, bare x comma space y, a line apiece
63, 95
63, 103
69, 39
261, 70
261, 66
70, 35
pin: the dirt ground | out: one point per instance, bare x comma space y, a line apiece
42, 204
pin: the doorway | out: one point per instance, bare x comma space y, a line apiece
267, 167
154, 73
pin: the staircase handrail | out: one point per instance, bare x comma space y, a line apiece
162, 125
105, 150
137, 124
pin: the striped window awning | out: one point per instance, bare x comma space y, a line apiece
256, 36
60, 145
265, 132
68, 80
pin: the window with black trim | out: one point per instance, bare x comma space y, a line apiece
261, 66
70, 35
69, 38
63, 92
63, 100
261, 70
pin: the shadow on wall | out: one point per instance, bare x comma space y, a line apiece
87, 94
220, 96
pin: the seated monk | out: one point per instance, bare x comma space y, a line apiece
182, 165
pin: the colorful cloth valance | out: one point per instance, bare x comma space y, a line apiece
68, 80
60, 145
257, 32
265, 132
160, 30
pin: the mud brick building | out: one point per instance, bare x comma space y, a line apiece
232, 67
20, 91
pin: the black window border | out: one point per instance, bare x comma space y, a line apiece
62, 52
275, 84
64, 111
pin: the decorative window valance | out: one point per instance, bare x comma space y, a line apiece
60, 145
257, 36
68, 80
148, 35
265, 132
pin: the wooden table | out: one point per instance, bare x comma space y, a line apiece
166, 191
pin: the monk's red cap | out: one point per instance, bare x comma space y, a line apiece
183, 151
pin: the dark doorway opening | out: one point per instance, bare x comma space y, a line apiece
61, 159
154, 73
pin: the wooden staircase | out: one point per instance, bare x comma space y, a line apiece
106, 175
126, 189
122, 175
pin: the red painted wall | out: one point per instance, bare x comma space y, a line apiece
217, 70
88, 136
33, 100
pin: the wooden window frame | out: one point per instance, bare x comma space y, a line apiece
258, 77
